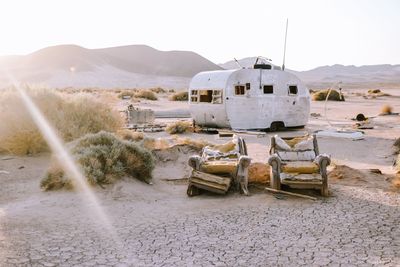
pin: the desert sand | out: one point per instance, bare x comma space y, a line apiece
159, 225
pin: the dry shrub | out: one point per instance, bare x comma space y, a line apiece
386, 109
181, 96
104, 159
147, 94
178, 127
54, 179
158, 90
374, 91
171, 91
321, 95
72, 117
397, 164
130, 135
396, 145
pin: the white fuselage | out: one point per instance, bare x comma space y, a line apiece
248, 99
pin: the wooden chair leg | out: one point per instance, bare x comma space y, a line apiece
192, 191
324, 190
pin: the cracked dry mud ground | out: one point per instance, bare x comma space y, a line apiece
354, 227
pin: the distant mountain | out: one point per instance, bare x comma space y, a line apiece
124, 66
351, 76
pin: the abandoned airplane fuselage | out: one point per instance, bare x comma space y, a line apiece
255, 98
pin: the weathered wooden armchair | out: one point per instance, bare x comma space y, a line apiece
297, 163
219, 168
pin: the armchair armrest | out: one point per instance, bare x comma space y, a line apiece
194, 162
323, 161
275, 162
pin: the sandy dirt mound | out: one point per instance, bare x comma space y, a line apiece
259, 173
342, 174
172, 162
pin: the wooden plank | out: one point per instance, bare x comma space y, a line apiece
289, 193
209, 185
211, 178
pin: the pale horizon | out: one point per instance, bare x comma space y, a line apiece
320, 32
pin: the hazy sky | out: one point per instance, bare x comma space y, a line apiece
320, 32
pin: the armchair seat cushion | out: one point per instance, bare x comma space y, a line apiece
302, 167
313, 178
219, 167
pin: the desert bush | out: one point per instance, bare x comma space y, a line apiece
386, 109
158, 90
89, 90
72, 117
130, 135
147, 94
397, 164
104, 159
396, 145
178, 127
181, 96
374, 91
54, 179
321, 95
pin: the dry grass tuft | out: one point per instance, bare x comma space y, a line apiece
158, 90
386, 109
178, 127
321, 95
54, 179
374, 91
130, 135
147, 94
72, 116
396, 145
197, 143
104, 159
181, 96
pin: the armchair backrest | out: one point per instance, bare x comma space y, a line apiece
295, 149
231, 150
